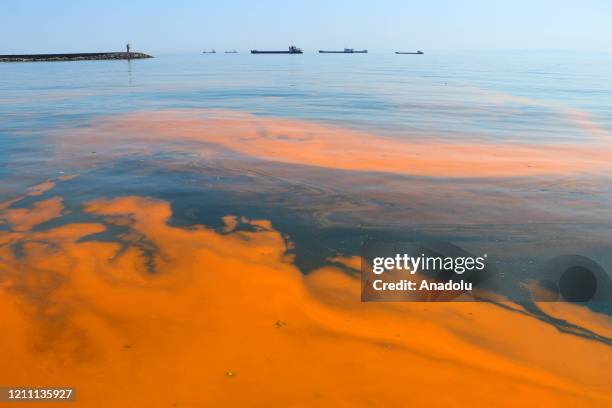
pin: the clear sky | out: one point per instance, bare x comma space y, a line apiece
188, 25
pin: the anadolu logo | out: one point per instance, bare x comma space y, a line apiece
475, 271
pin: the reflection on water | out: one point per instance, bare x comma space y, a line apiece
196, 223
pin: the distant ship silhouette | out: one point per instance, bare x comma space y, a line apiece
292, 50
413, 53
345, 51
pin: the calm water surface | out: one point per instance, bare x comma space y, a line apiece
491, 98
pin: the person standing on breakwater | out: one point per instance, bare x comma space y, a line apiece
127, 46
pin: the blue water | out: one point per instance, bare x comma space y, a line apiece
429, 93
486, 97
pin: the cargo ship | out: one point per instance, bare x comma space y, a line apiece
209, 52
345, 51
291, 50
413, 53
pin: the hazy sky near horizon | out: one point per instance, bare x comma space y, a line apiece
156, 26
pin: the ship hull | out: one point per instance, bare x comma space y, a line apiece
343, 52
275, 52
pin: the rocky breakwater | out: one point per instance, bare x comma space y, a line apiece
74, 57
